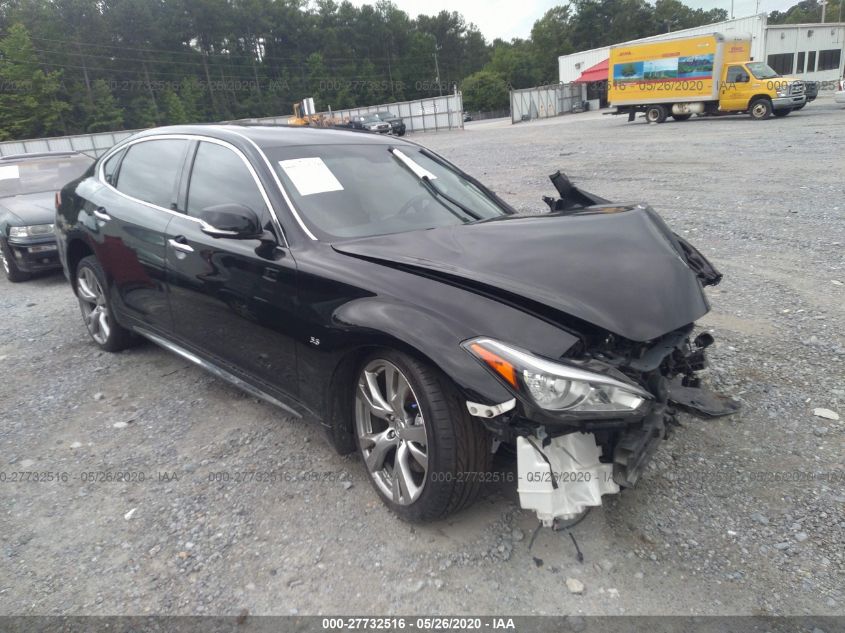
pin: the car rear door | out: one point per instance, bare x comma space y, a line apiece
129, 217
232, 299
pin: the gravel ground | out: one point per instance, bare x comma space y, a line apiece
742, 515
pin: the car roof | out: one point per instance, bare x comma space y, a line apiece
37, 155
269, 136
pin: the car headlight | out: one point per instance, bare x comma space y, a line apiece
783, 92
557, 386
33, 230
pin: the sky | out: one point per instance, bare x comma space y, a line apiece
514, 18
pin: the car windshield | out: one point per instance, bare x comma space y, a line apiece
347, 191
385, 115
761, 70
49, 173
371, 118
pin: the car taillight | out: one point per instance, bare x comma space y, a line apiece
58, 200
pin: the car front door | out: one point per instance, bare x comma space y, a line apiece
129, 217
232, 299
733, 91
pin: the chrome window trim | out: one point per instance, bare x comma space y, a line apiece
278, 184
190, 137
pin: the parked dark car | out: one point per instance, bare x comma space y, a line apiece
28, 187
811, 91
368, 123
397, 125
369, 283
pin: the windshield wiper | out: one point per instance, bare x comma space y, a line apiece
434, 190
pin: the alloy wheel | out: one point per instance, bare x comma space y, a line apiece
92, 302
391, 432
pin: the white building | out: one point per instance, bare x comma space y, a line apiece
809, 51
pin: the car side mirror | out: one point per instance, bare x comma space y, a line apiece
235, 221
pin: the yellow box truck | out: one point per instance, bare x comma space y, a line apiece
701, 74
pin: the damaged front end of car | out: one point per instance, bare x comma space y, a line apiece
587, 424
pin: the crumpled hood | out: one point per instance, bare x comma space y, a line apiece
615, 267
32, 208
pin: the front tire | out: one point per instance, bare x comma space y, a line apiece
425, 455
760, 109
96, 308
13, 273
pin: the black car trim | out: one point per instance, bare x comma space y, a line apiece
192, 137
215, 370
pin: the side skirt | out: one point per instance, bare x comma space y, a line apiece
215, 370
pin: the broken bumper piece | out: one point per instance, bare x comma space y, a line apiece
562, 477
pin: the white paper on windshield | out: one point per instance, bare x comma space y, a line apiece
9, 172
310, 176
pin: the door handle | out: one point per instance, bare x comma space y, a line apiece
179, 244
100, 214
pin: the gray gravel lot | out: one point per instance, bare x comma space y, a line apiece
738, 515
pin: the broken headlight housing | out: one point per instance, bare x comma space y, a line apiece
556, 386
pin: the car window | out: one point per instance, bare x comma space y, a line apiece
37, 175
219, 176
734, 73
349, 190
110, 166
150, 170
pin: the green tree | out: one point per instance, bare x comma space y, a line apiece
105, 115
141, 113
514, 62
191, 96
549, 40
485, 91
30, 103
174, 111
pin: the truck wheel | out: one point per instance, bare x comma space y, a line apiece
418, 442
783, 112
681, 117
760, 109
656, 114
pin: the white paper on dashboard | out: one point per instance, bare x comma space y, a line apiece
9, 172
310, 176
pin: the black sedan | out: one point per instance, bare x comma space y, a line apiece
28, 187
367, 282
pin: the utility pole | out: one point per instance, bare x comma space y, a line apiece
437, 67
732, 9
824, 7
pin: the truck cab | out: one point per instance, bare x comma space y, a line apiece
755, 88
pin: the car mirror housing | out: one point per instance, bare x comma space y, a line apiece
235, 221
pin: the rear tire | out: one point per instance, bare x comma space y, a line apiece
656, 114
97, 313
13, 273
781, 113
681, 117
760, 109
425, 455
